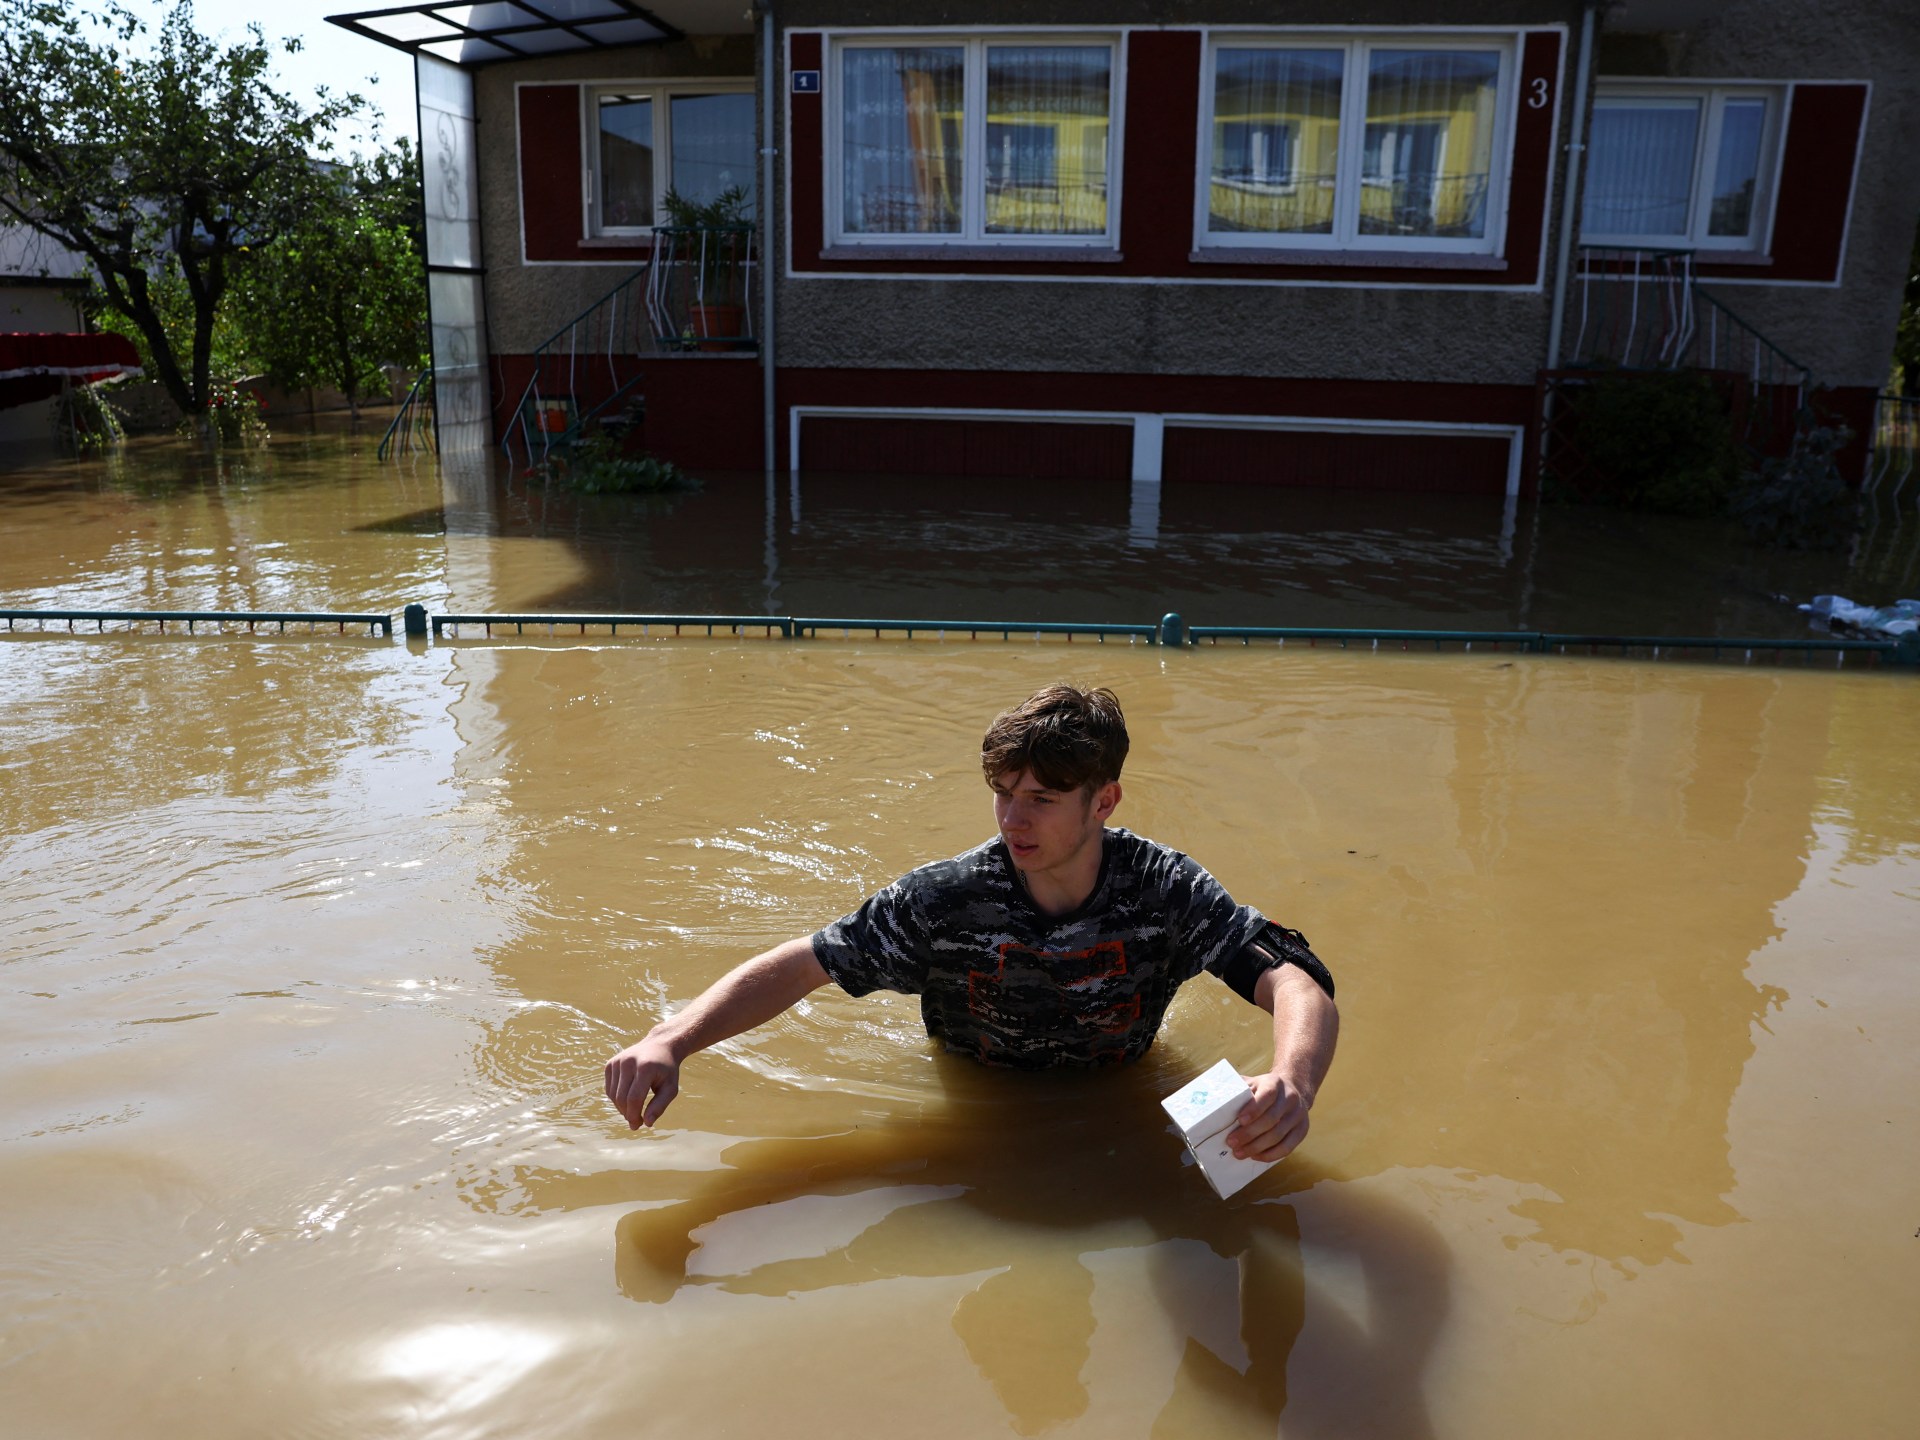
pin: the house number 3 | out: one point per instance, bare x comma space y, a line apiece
1538, 99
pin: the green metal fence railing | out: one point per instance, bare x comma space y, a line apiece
193, 619
1170, 632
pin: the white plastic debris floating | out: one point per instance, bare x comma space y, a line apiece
1205, 1111
1900, 618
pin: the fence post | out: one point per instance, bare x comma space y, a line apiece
416, 621
1172, 630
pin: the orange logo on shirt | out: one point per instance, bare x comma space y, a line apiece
1070, 970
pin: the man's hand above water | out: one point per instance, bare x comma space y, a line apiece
643, 1078
1305, 1028
642, 1081
1272, 1124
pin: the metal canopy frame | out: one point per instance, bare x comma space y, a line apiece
492, 31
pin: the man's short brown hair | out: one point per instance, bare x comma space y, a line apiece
1067, 738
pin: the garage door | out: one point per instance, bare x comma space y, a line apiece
1450, 464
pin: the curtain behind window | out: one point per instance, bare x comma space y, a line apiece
1640, 167
900, 139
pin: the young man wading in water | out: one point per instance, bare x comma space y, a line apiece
1059, 943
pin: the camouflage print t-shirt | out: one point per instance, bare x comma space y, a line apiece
1008, 985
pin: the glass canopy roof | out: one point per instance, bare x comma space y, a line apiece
507, 29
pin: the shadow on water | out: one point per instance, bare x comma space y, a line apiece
429, 521
1024, 1180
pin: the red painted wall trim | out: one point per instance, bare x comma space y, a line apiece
1160, 118
1462, 465
1158, 171
552, 168
806, 156
1817, 162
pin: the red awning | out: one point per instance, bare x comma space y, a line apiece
34, 366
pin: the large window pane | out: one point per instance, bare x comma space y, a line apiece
1276, 140
1742, 123
1047, 127
1640, 167
901, 139
713, 145
626, 161
1428, 155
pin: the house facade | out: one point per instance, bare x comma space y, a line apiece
1287, 243
40, 289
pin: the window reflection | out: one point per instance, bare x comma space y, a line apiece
626, 161
1738, 172
1276, 140
1047, 128
1429, 142
712, 145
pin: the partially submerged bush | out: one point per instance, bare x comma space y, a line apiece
232, 417
1655, 440
1799, 501
86, 420
596, 464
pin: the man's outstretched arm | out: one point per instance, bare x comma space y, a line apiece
1305, 1026
643, 1078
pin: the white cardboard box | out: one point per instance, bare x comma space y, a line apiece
1204, 1110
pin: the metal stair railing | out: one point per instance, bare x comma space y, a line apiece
1636, 307
1646, 310
1719, 340
412, 423
578, 373
700, 287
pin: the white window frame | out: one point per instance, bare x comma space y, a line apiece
973, 156
1706, 154
661, 93
1358, 45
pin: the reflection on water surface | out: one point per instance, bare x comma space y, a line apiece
313, 949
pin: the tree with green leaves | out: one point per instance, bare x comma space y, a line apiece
343, 291
170, 160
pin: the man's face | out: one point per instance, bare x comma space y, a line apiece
1045, 829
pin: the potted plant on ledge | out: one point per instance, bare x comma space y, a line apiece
717, 236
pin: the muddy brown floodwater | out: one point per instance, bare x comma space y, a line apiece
312, 949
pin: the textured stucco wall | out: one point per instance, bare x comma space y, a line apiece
1483, 336
1844, 333
1476, 336
527, 303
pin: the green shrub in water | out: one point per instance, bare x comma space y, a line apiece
232, 417
1800, 501
86, 421
597, 465
1655, 440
